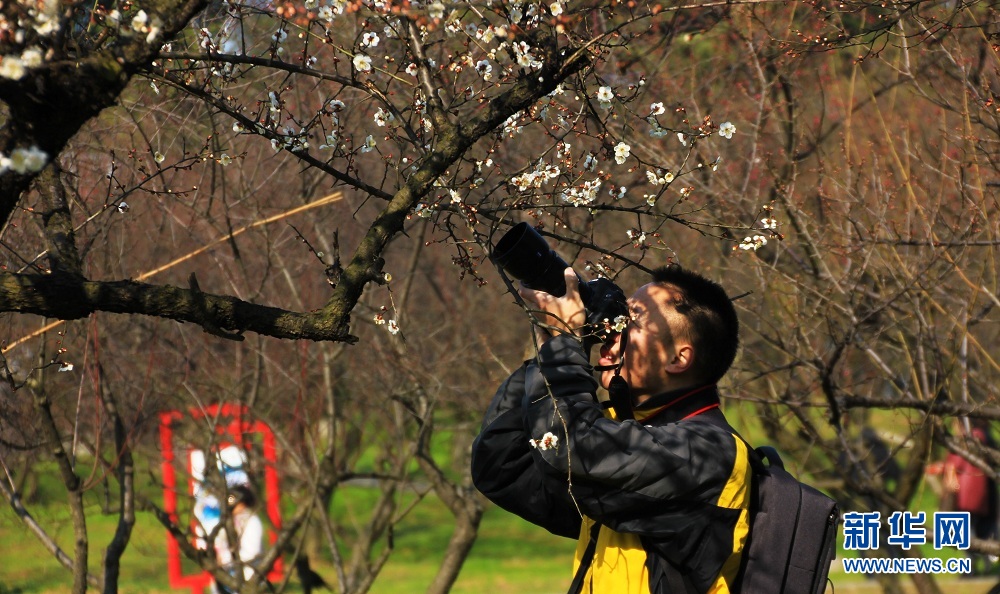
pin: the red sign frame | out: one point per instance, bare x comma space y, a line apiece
236, 426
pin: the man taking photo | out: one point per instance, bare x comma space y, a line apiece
657, 491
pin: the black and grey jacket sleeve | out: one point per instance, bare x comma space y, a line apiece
504, 468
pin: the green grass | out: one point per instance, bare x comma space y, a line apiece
510, 555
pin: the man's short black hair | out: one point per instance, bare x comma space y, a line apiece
713, 325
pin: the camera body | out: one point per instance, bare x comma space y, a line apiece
525, 255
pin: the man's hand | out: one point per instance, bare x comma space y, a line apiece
562, 314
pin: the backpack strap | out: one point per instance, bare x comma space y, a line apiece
576, 586
756, 457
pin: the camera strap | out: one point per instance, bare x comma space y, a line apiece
618, 389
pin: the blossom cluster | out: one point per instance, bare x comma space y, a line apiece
583, 194
24, 160
15, 67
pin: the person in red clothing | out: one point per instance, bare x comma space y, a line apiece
968, 488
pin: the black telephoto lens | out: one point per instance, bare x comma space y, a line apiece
526, 256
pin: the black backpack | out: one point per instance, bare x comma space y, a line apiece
793, 532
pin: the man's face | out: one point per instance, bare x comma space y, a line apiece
653, 348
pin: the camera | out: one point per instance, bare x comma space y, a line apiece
525, 255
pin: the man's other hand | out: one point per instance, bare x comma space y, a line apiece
563, 314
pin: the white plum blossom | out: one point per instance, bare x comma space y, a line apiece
158, 157
335, 105
682, 139
726, 130
238, 127
331, 141
279, 36
619, 193
525, 59
123, 207
31, 57
65, 366
769, 223
590, 162
24, 160
423, 211
659, 178
510, 124
393, 327
753, 243
656, 109
556, 8
143, 23
619, 323
650, 199
715, 163
362, 62
547, 442
225, 159
205, 40
325, 13
605, 94
456, 198
486, 35
383, 117
369, 144
139, 21
370, 39
622, 152
485, 69
12, 67
411, 69
46, 16
637, 237
436, 10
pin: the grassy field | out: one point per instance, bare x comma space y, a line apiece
510, 557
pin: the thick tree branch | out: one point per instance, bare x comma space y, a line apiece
65, 297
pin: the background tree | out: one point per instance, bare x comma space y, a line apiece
306, 171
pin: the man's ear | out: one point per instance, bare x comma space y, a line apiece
682, 361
